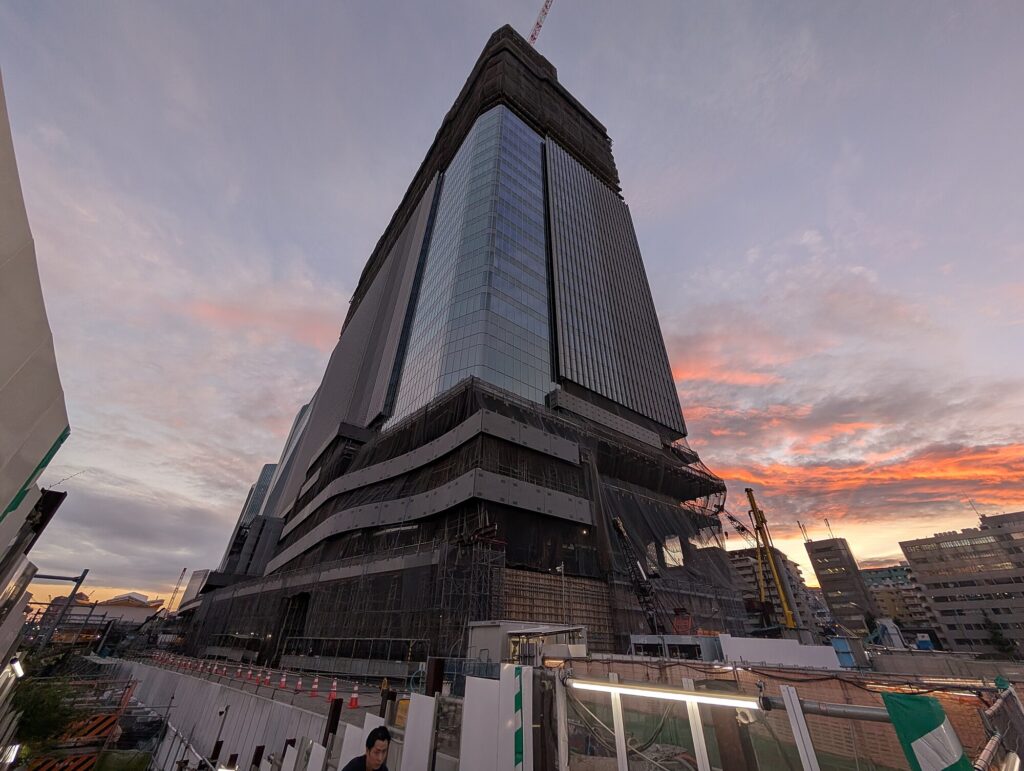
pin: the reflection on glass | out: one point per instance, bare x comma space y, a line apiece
482, 308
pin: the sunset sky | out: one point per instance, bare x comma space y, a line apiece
829, 199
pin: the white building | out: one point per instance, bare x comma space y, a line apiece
33, 418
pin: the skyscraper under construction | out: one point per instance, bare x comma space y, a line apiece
497, 434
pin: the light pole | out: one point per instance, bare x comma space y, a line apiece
565, 607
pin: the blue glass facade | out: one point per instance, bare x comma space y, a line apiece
482, 308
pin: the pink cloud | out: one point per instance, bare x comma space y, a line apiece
316, 328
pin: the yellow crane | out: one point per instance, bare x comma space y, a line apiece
766, 554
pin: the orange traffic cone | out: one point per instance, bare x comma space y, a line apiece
238, 672
315, 690
333, 694
353, 700
284, 681
298, 685
248, 675
266, 680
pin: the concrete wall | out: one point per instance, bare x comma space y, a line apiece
946, 665
259, 716
252, 720
788, 653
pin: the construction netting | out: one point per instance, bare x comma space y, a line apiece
426, 579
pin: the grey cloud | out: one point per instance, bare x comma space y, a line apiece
129, 541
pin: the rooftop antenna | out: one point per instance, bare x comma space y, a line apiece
803, 530
831, 534
974, 507
540, 21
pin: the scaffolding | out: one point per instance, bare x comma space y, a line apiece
426, 579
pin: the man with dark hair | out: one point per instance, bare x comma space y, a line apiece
377, 743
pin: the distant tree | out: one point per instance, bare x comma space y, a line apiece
46, 709
1003, 645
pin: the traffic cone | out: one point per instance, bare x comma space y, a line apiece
248, 675
238, 673
266, 680
333, 694
353, 700
284, 681
298, 685
314, 691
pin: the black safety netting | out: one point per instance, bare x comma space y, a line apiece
665, 498
680, 551
665, 470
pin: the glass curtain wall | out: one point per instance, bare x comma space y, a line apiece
482, 308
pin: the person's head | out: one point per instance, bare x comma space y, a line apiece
377, 743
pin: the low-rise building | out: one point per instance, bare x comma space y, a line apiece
745, 562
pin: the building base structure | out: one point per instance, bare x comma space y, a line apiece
481, 506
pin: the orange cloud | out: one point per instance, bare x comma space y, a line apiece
718, 372
807, 443
995, 472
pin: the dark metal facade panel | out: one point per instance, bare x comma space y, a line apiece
474, 484
608, 337
355, 383
509, 71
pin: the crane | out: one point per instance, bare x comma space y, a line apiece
641, 583
177, 586
540, 21
766, 554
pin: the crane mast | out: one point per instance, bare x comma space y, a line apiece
766, 554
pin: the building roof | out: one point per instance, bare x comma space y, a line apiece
132, 600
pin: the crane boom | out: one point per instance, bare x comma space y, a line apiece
540, 21
766, 553
641, 583
177, 586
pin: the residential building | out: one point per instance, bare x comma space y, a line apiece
897, 595
973, 580
33, 417
819, 608
794, 587
841, 583
499, 401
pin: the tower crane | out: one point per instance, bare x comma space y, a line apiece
540, 21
